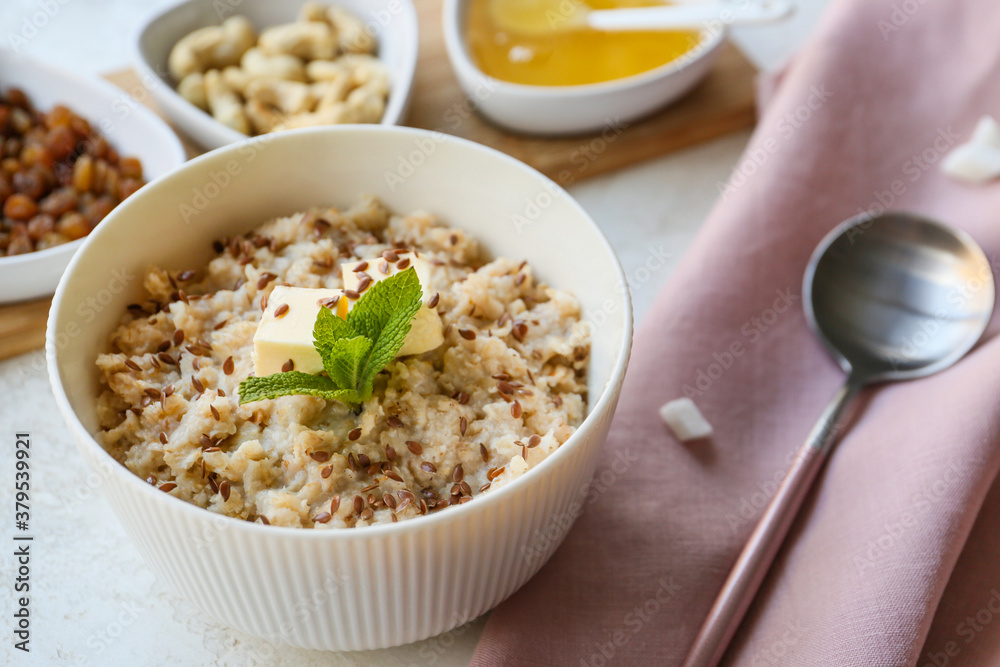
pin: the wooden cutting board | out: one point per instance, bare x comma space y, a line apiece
722, 104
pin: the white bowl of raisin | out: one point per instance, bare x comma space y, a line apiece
71, 149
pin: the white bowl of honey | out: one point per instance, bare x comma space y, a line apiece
562, 82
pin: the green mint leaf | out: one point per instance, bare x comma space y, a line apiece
385, 314
293, 382
330, 328
344, 360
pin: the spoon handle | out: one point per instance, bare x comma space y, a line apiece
694, 16
752, 565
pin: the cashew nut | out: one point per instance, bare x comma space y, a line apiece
331, 92
224, 103
367, 71
368, 104
263, 117
332, 115
256, 64
192, 88
308, 40
290, 97
236, 78
352, 36
211, 47
313, 11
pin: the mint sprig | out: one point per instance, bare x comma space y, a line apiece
353, 350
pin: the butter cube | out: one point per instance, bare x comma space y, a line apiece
426, 331
286, 333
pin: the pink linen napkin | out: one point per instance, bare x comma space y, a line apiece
888, 563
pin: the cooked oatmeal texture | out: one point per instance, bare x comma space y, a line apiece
507, 387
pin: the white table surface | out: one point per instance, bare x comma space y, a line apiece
94, 602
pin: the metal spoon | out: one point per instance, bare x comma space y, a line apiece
544, 17
892, 297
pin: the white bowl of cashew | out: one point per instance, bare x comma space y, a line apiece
391, 24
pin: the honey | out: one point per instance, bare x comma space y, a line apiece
568, 57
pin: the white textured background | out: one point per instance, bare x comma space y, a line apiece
93, 600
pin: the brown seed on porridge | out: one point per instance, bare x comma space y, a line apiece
289, 461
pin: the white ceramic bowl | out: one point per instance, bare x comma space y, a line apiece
376, 586
560, 110
393, 23
129, 127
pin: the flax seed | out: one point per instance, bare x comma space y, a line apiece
224, 490
320, 457
281, 310
169, 486
352, 294
414, 447
515, 410
334, 504
462, 425
467, 334
264, 279
354, 434
326, 472
403, 263
228, 366
427, 466
134, 366
434, 300
288, 366
394, 421
322, 517
215, 413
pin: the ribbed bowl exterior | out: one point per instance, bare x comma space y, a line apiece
360, 591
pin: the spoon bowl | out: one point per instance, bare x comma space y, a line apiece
898, 296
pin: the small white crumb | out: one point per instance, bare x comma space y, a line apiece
977, 161
987, 132
685, 420
972, 163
